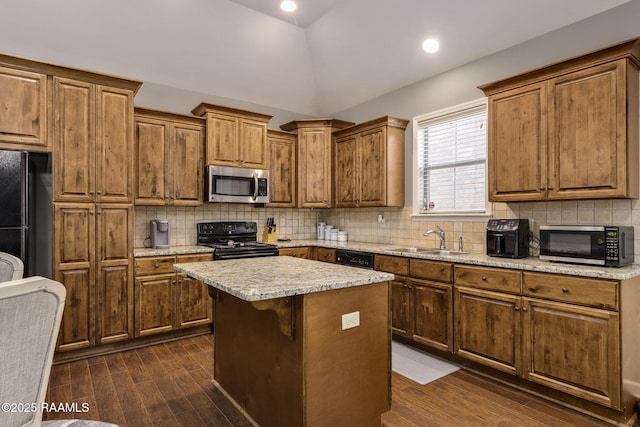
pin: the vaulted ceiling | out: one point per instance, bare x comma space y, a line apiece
328, 56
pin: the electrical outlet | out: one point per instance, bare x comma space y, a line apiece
350, 320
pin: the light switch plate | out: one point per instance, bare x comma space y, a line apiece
350, 320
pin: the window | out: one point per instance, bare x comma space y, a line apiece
450, 158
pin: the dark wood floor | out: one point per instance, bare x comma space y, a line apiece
170, 385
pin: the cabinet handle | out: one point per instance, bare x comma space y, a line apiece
484, 278
91, 212
180, 282
542, 189
565, 290
99, 192
156, 265
524, 308
533, 290
516, 308
549, 188
173, 281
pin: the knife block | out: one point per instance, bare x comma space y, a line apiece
269, 237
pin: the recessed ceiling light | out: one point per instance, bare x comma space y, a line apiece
430, 45
288, 5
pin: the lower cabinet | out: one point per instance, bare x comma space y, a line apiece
421, 310
166, 300
314, 253
303, 252
487, 328
559, 331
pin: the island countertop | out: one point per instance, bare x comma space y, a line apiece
256, 279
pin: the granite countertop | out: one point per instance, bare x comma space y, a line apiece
526, 264
256, 279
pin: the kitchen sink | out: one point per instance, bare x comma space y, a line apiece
412, 250
429, 251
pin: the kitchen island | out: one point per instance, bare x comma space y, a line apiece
300, 342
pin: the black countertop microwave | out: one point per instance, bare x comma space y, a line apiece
610, 245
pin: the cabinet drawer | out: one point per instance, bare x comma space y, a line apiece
155, 265
494, 279
577, 290
295, 252
392, 264
431, 270
194, 258
325, 255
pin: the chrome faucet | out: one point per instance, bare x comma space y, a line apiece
440, 233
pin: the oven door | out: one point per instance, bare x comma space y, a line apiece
237, 185
581, 244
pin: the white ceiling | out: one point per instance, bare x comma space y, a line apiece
336, 54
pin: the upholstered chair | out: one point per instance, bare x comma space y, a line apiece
30, 316
11, 267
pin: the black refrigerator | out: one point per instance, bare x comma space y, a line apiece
26, 208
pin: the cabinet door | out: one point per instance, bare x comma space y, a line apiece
194, 303
151, 148
372, 168
222, 140
487, 328
187, 164
73, 258
155, 304
296, 252
23, 110
253, 148
325, 254
114, 145
573, 349
114, 283
587, 133
314, 162
282, 171
517, 148
346, 167
401, 303
73, 140
433, 314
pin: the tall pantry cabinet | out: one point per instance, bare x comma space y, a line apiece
92, 132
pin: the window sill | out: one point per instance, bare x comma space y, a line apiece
451, 217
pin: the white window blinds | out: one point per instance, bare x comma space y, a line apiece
451, 155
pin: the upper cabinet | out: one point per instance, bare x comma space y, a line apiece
93, 142
282, 168
235, 137
169, 152
567, 131
23, 110
314, 160
369, 164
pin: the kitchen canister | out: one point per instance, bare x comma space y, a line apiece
342, 236
320, 230
327, 232
334, 234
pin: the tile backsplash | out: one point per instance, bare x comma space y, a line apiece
397, 227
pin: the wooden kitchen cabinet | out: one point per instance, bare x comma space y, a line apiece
433, 314
488, 328
23, 110
169, 159
166, 300
114, 272
314, 159
282, 169
573, 349
369, 163
93, 250
93, 142
324, 254
304, 253
235, 137
73, 266
566, 131
421, 310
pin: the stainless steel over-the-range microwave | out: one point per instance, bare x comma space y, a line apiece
610, 246
237, 185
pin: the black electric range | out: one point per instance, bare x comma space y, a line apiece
233, 240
